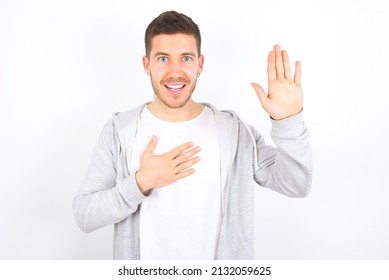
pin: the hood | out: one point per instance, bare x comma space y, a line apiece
122, 120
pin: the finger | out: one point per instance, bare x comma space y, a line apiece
179, 149
288, 71
279, 63
151, 146
261, 94
297, 74
271, 67
183, 174
186, 155
185, 165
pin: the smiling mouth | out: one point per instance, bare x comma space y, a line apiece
175, 88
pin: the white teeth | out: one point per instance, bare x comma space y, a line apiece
175, 87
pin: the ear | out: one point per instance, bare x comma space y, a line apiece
146, 64
201, 62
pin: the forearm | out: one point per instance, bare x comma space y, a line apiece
95, 209
287, 169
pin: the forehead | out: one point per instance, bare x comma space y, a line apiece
173, 44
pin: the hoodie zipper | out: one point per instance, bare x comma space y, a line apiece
225, 188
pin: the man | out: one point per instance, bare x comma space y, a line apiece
176, 177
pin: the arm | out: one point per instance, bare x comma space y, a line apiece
287, 169
102, 198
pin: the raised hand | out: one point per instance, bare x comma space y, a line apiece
156, 171
285, 96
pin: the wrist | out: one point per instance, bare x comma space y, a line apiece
283, 117
141, 183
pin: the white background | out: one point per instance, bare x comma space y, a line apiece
65, 66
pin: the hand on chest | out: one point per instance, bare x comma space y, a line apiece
201, 131
201, 134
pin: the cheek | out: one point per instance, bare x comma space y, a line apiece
156, 73
190, 71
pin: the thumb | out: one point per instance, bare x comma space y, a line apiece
261, 94
151, 146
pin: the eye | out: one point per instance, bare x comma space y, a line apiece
162, 59
186, 58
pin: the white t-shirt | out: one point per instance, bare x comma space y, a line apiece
181, 220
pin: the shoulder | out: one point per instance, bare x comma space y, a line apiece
120, 120
226, 115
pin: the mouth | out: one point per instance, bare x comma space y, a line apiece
175, 88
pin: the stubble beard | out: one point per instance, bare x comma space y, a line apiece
156, 87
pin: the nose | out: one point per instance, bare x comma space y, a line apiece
175, 69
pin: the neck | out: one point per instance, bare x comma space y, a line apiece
188, 112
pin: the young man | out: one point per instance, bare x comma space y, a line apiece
176, 177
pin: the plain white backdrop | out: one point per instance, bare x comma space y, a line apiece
65, 66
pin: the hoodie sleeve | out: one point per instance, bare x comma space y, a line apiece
102, 198
286, 169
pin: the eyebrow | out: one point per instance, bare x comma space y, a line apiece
189, 53
166, 54
160, 53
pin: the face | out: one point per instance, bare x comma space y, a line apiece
173, 66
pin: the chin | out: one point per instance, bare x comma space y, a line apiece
174, 102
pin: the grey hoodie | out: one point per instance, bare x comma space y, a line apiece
109, 193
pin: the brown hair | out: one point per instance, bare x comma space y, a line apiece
171, 22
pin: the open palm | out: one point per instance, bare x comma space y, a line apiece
285, 95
